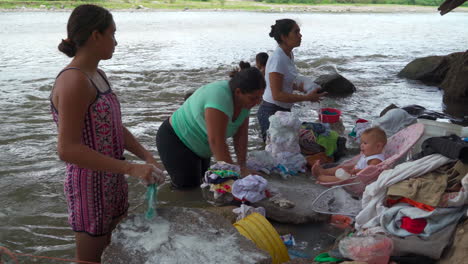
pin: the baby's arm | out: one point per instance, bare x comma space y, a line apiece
374, 162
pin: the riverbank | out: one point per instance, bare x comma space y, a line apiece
220, 5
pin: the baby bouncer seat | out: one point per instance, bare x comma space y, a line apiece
396, 149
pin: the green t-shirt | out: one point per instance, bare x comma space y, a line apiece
189, 120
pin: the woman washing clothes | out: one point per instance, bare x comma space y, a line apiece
280, 74
199, 128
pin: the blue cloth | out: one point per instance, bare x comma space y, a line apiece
151, 194
438, 219
318, 128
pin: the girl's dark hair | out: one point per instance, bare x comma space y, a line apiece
262, 58
282, 27
248, 80
82, 22
242, 65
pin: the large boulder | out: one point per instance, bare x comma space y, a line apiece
455, 84
180, 235
430, 70
335, 84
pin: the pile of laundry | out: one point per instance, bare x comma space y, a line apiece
224, 181
414, 208
282, 153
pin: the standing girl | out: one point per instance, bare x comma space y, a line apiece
91, 136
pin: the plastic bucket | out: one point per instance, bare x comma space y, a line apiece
329, 115
257, 228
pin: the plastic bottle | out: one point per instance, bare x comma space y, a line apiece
342, 174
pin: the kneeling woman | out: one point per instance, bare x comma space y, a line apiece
200, 127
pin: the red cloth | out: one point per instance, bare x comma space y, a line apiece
415, 226
425, 207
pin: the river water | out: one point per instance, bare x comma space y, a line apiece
161, 56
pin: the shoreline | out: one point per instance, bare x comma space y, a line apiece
257, 7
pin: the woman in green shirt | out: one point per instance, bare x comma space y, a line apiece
199, 128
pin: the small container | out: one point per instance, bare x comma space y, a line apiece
342, 174
329, 115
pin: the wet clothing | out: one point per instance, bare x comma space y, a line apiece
450, 146
95, 198
189, 120
184, 166
280, 63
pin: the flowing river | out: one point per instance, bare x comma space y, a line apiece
162, 55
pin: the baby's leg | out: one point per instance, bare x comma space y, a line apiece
318, 170
327, 178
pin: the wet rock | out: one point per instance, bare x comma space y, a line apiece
301, 191
335, 84
430, 70
455, 84
458, 252
177, 235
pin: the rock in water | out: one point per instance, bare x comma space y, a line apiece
180, 235
335, 85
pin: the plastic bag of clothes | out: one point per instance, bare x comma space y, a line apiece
371, 249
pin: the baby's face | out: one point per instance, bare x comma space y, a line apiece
370, 145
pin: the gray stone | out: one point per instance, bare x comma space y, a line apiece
301, 191
180, 235
335, 84
455, 84
430, 70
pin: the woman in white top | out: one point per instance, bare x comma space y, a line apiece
281, 73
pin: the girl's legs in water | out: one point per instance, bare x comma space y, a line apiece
90, 248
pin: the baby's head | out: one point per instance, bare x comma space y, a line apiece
373, 141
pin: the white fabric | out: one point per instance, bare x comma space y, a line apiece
363, 161
280, 62
374, 195
460, 198
283, 143
252, 188
245, 210
309, 84
394, 120
261, 160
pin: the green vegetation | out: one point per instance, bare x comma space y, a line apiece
201, 4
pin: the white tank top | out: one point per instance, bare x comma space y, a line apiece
362, 162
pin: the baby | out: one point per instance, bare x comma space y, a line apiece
373, 141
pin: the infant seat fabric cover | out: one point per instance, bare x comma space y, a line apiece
397, 146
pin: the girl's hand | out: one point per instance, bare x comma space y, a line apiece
315, 96
146, 172
158, 175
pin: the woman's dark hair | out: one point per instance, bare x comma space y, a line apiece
282, 27
242, 65
262, 58
248, 80
82, 22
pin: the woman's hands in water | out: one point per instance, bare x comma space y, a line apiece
299, 87
149, 173
315, 96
